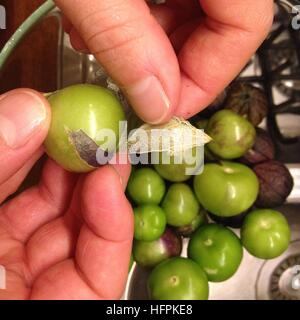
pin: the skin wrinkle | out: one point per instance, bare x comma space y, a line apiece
109, 49
81, 273
106, 32
11, 228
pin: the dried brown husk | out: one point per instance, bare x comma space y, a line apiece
248, 101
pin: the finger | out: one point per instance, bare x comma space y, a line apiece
104, 245
217, 50
169, 16
15, 288
24, 123
56, 240
77, 42
133, 48
23, 215
179, 36
120, 162
12, 185
52, 243
108, 230
173, 14
105, 240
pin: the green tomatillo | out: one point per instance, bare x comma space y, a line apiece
217, 250
151, 253
265, 233
226, 189
232, 135
79, 114
178, 279
149, 222
146, 186
180, 167
180, 205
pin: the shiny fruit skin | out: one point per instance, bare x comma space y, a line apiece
188, 230
80, 107
265, 233
217, 250
178, 279
226, 189
151, 253
180, 205
149, 222
232, 135
145, 186
181, 172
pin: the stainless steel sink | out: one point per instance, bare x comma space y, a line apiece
274, 279
255, 279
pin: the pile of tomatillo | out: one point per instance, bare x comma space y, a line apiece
169, 205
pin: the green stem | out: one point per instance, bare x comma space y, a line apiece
25, 27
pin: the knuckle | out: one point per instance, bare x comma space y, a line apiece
113, 26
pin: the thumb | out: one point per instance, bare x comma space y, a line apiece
24, 123
126, 39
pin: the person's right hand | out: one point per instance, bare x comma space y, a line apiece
174, 58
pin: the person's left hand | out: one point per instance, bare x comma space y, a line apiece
69, 237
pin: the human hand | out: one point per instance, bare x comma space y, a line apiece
174, 58
70, 236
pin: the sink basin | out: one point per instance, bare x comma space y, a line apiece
255, 279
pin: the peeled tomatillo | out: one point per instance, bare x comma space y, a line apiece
79, 112
146, 186
149, 222
180, 167
180, 205
178, 279
265, 233
217, 250
227, 188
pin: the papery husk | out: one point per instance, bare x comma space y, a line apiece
175, 129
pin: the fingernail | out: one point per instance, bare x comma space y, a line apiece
149, 100
21, 113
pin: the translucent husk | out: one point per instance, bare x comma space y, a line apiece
176, 136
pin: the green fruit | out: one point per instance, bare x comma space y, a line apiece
180, 205
217, 250
265, 233
208, 155
226, 189
151, 253
178, 279
79, 112
180, 172
149, 222
188, 230
145, 186
232, 135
